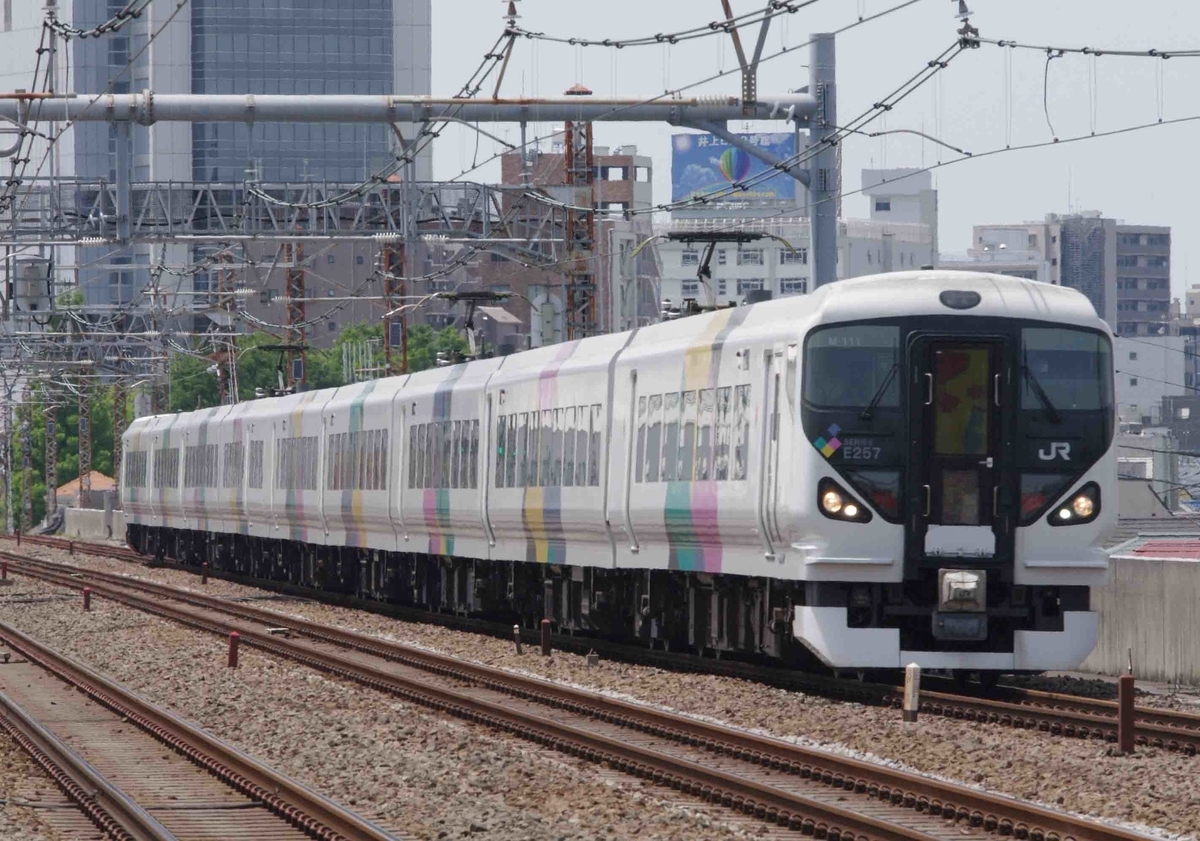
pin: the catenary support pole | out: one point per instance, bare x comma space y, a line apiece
823, 174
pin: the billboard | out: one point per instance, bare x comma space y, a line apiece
703, 163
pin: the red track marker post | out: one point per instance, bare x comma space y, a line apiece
204, 573
1125, 726
517, 638
545, 637
87, 598
234, 636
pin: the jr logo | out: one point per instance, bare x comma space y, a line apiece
1054, 450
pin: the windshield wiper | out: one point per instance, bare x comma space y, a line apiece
869, 412
1030, 378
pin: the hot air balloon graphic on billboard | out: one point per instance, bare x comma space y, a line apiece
705, 165
734, 165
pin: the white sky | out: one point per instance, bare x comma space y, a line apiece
1143, 178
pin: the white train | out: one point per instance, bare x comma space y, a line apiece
910, 467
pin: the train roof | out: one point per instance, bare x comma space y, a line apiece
917, 293
895, 295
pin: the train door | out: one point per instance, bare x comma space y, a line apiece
957, 452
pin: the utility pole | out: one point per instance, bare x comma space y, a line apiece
6, 461
293, 258
823, 169
25, 433
50, 418
85, 442
119, 424
395, 324
581, 230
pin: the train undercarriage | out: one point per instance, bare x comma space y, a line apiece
705, 614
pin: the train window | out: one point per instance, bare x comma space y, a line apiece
447, 463
569, 447
704, 435
640, 460
653, 437
463, 442
687, 438
523, 451
853, 367
412, 456
581, 448
594, 449
256, 465
383, 460
556, 460
724, 434
1069, 369
741, 431
670, 450
501, 441
421, 456
546, 477
455, 455
473, 462
233, 465
510, 472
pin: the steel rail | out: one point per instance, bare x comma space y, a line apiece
953, 802
1056, 713
112, 811
320, 817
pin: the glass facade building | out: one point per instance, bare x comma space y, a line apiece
238, 47
290, 47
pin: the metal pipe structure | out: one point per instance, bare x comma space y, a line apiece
148, 107
823, 186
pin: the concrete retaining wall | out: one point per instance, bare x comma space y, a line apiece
1152, 607
89, 524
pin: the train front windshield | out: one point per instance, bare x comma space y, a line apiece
853, 367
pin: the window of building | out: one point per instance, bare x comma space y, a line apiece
721, 286
1054, 261
359, 259
883, 205
644, 174
689, 258
332, 325
1033, 241
793, 287
689, 288
1157, 262
721, 258
1133, 381
329, 258
750, 257
793, 257
1132, 355
1127, 261
750, 285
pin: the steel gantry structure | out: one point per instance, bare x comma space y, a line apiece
394, 211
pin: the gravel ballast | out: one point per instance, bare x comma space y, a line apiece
22, 782
413, 771
1153, 787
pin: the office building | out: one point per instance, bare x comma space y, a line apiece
222, 47
1123, 269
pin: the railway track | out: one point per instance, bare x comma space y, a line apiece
1053, 713
103, 747
812, 791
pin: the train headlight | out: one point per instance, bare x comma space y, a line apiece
831, 502
837, 504
1081, 507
